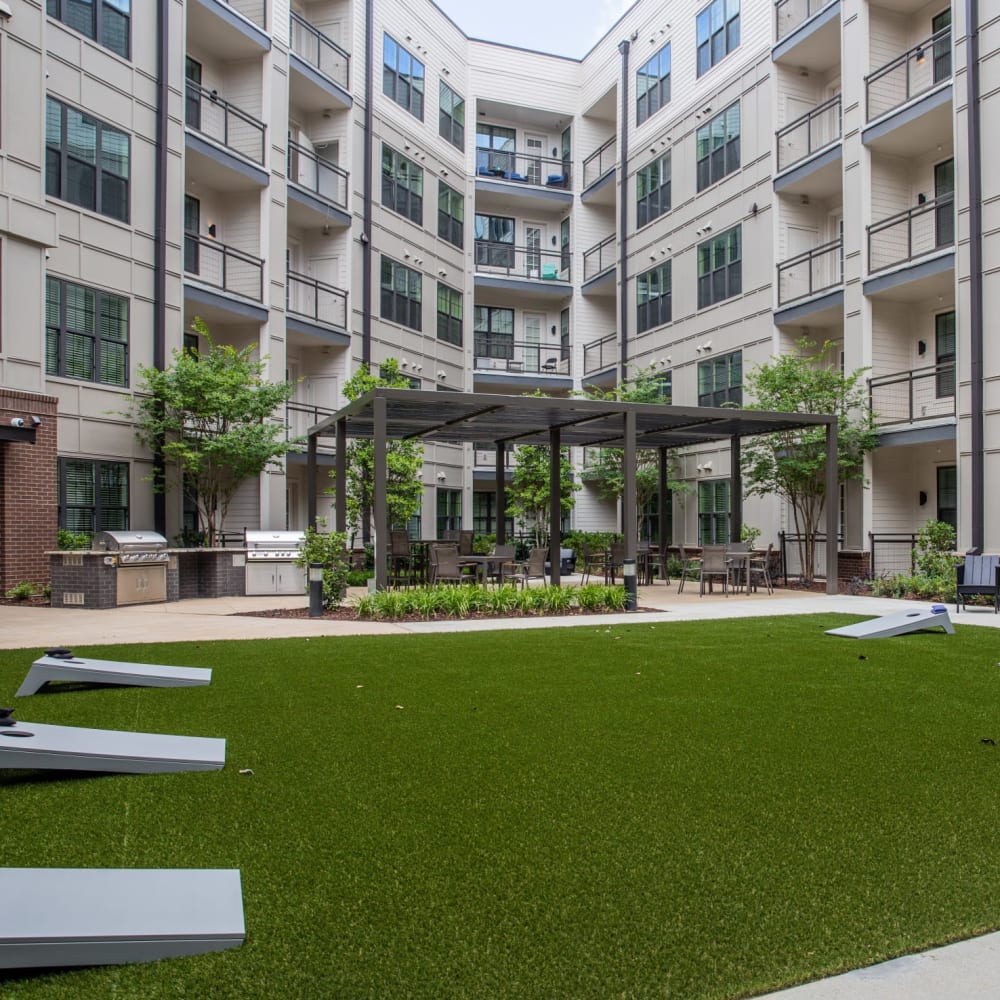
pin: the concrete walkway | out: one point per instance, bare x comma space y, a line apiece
968, 970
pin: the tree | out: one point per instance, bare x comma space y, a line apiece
404, 461
792, 464
208, 414
528, 493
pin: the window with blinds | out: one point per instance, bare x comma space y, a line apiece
93, 495
86, 333
713, 512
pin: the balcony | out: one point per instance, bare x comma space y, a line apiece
599, 174
236, 28
229, 282
523, 178
484, 459
234, 156
807, 34
317, 189
528, 271
320, 69
601, 355
299, 417
599, 267
812, 272
924, 231
500, 353
316, 308
807, 135
917, 71
913, 396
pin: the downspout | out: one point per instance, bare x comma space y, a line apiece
977, 470
366, 231
623, 48
160, 243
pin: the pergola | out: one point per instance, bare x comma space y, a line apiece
384, 415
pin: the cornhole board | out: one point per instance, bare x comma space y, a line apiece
68, 748
898, 623
111, 916
79, 668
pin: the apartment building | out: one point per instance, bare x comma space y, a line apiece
710, 183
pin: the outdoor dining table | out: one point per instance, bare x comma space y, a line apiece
481, 563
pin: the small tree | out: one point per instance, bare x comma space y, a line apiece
792, 464
404, 461
528, 493
209, 416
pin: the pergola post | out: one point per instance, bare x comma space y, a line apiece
736, 478
832, 506
661, 506
381, 508
628, 502
555, 506
501, 494
311, 482
340, 478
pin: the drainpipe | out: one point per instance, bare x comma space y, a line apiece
975, 271
160, 242
366, 231
623, 48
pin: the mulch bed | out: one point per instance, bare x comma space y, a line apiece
351, 615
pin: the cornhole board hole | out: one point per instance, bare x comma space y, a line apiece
898, 623
111, 916
68, 748
79, 668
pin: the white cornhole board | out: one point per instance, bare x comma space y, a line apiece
898, 623
79, 668
110, 916
68, 748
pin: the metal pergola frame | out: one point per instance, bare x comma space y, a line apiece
384, 414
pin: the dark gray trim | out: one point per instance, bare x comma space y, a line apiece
508, 190
606, 278
298, 65
329, 335
226, 158
335, 213
809, 166
801, 310
907, 274
24, 435
326, 459
239, 307
160, 240
907, 114
804, 30
623, 48
602, 182
366, 224
917, 435
553, 289
482, 475
602, 379
530, 380
247, 28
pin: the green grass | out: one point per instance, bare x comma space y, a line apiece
689, 810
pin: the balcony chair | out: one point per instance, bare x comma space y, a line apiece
550, 272
550, 365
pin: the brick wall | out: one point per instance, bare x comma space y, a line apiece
28, 500
853, 563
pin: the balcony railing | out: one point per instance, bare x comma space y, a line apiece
917, 70
521, 262
813, 271
525, 168
600, 162
908, 397
599, 258
496, 352
317, 174
299, 417
789, 14
316, 300
814, 130
213, 116
917, 231
225, 267
599, 355
485, 456
322, 53
252, 10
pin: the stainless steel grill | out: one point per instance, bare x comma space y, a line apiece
131, 547
271, 565
141, 559
274, 545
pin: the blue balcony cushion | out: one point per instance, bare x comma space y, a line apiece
555, 179
517, 177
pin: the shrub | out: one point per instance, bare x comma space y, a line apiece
67, 540
357, 578
189, 538
935, 548
21, 591
331, 551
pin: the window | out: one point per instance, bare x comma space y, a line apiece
93, 496
401, 299
649, 524
494, 150
402, 77
494, 241
192, 241
451, 116
944, 213
564, 334
944, 354
449, 315
412, 381
106, 21
942, 47
86, 161
718, 30
718, 145
86, 333
720, 380
713, 512
653, 298
663, 384
449, 511
720, 268
451, 214
565, 260
494, 329
947, 495
652, 85
652, 191
402, 185
484, 513
192, 93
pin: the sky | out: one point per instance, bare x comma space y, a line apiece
563, 27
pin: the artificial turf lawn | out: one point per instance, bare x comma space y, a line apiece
686, 810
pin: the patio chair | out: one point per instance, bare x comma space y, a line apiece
690, 563
979, 575
532, 569
504, 566
614, 561
402, 565
593, 562
738, 556
713, 564
465, 542
760, 571
448, 569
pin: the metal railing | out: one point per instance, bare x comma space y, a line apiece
225, 267
599, 258
812, 131
299, 417
917, 70
496, 352
814, 271
525, 168
317, 174
911, 396
600, 355
914, 232
893, 553
791, 557
521, 262
213, 116
789, 14
252, 10
321, 52
600, 162
316, 300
